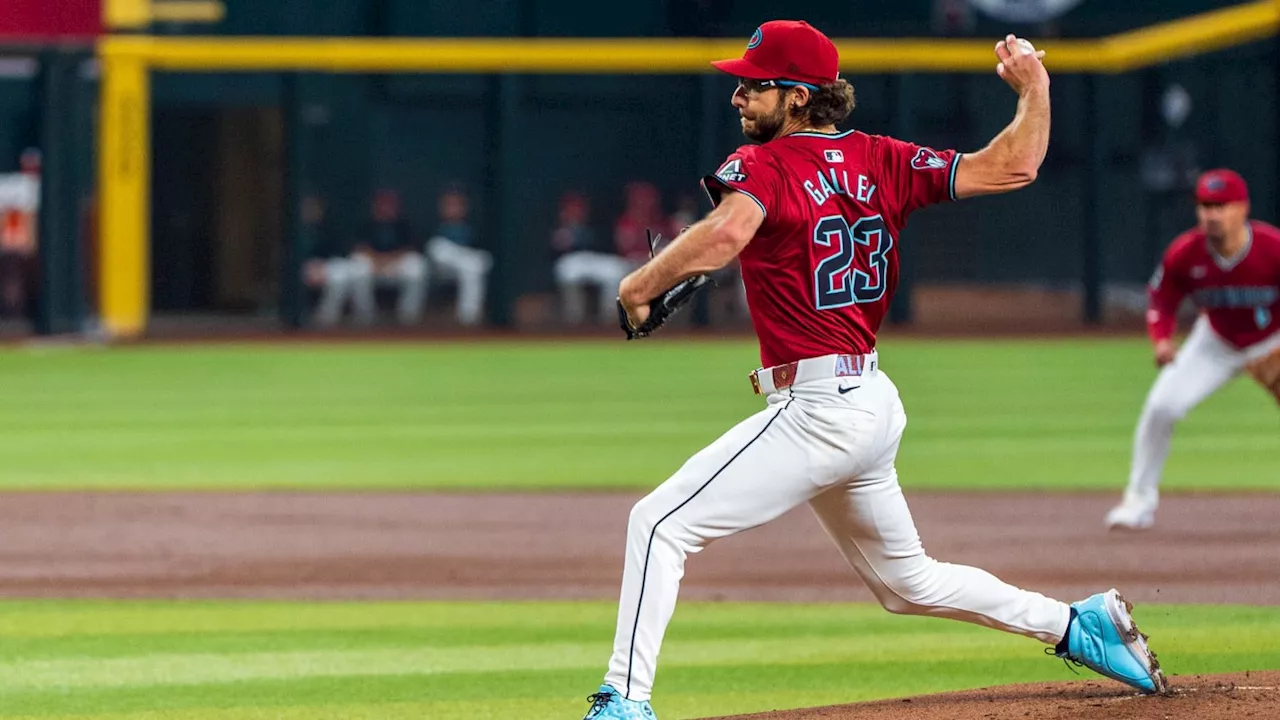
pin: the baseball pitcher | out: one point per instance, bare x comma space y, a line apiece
1230, 267
816, 217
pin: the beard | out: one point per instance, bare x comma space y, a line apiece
764, 128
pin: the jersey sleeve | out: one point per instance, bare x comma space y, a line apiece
1165, 293
749, 171
919, 176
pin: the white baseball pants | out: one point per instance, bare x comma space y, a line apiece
336, 289
408, 274
1204, 363
575, 271
470, 266
834, 450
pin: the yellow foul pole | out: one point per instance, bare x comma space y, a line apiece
124, 168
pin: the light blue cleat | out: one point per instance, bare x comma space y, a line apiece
608, 704
1103, 637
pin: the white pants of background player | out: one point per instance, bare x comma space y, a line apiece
576, 270
408, 273
335, 290
834, 450
1204, 363
470, 267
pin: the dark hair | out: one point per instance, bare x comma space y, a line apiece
831, 104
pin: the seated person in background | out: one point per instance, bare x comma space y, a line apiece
19, 215
577, 263
327, 267
453, 253
385, 254
643, 212
580, 268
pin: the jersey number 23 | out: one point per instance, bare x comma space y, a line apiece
836, 282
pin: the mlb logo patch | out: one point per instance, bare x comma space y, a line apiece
834, 156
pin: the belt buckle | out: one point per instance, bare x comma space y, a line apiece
782, 376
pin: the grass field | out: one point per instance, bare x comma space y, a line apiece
533, 661
983, 414
1053, 415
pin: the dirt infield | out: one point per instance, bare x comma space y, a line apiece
1204, 697
1209, 549
1206, 549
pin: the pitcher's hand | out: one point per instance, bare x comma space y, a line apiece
1020, 65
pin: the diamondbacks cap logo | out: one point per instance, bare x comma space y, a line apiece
756, 37
927, 159
833, 156
731, 172
1215, 184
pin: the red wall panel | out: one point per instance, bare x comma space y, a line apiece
50, 18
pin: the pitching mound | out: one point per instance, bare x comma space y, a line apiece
1202, 697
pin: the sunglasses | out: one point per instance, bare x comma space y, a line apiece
755, 87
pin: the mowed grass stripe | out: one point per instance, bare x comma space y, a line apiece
718, 658
683, 692
488, 621
869, 639
989, 414
207, 668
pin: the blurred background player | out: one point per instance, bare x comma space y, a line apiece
641, 214
385, 254
328, 269
579, 266
453, 254
1230, 266
19, 212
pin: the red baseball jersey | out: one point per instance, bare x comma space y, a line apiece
823, 266
1241, 296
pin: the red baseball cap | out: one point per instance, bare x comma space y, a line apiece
786, 50
1221, 186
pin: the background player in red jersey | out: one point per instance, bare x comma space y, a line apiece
815, 216
1230, 267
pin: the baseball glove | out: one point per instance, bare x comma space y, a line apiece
1266, 370
665, 305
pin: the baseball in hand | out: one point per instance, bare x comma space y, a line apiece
1020, 64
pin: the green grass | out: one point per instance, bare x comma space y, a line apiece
594, 415
1009, 414
475, 661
